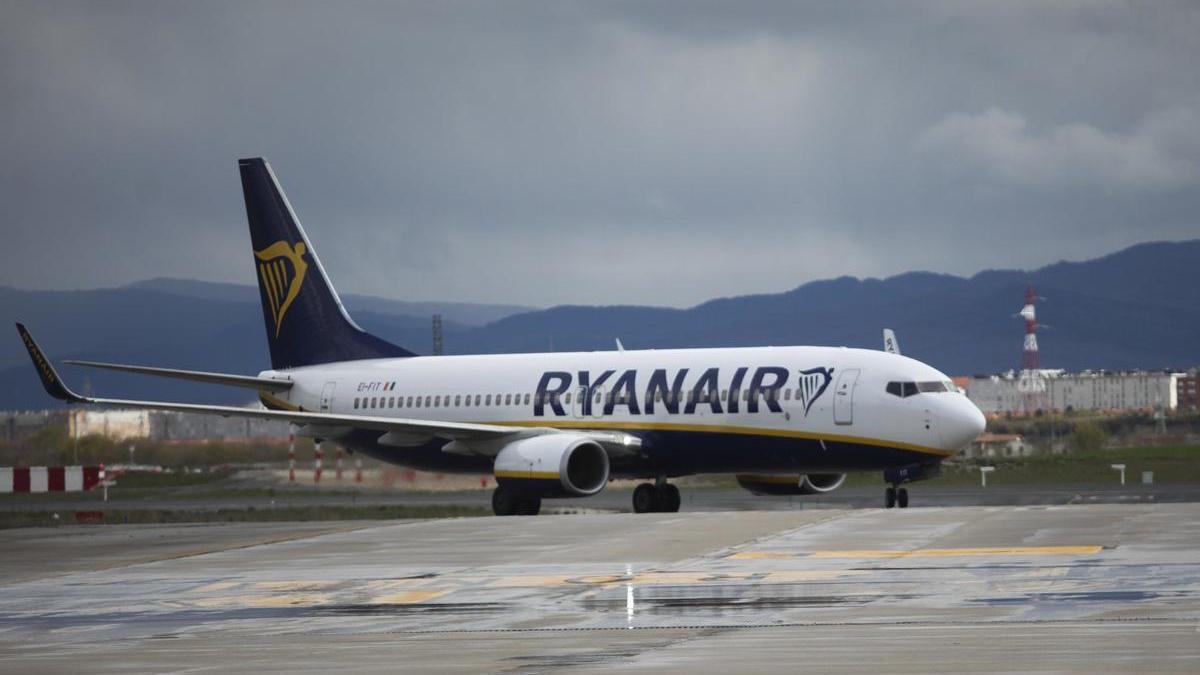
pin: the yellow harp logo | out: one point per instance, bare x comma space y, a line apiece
281, 269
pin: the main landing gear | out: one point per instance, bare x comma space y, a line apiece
652, 498
509, 502
896, 496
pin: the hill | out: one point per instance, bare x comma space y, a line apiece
1137, 308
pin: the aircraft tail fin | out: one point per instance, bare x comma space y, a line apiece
306, 321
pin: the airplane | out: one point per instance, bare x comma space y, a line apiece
783, 420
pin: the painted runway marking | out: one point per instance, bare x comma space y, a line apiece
924, 552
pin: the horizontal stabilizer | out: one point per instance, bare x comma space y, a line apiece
247, 381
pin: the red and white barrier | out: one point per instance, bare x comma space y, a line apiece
37, 479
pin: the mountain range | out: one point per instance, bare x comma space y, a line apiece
1137, 308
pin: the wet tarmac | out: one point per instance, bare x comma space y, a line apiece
620, 499
1077, 588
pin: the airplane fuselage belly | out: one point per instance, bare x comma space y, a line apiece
677, 453
695, 411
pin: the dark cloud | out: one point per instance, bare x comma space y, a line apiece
594, 152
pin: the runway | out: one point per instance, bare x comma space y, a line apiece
1096, 588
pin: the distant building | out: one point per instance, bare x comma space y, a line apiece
158, 425
1089, 390
117, 425
997, 445
18, 425
1187, 392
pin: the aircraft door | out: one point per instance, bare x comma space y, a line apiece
843, 396
327, 396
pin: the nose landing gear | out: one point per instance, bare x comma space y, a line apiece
896, 496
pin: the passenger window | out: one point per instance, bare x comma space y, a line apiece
391, 401
410, 401
508, 399
787, 394
746, 395
428, 401
458, 400
893, 388
724, 394
467, 400
476, 400
526, 399
356, 403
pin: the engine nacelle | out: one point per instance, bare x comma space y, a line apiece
554, 465
793, 484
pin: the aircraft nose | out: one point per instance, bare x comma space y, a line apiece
964, 424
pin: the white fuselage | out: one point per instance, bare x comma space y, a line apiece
837, 397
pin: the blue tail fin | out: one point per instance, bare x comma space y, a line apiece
306, 322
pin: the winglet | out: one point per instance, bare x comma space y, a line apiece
50, 379
890, 345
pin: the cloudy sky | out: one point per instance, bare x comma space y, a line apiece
594, 152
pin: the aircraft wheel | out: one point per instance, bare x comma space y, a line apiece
529, 506
902, 498
668, 498
505, 502
889, 497
645, 499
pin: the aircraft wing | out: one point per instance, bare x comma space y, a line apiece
453, 430
258, 383
613, 442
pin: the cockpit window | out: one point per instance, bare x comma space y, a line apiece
906, 389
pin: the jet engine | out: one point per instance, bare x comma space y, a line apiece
793, 484
553, 465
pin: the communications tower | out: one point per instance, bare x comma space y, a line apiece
437, 335
1031, 384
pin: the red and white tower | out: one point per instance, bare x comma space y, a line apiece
1031, 383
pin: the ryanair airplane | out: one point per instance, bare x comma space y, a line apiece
785, 420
